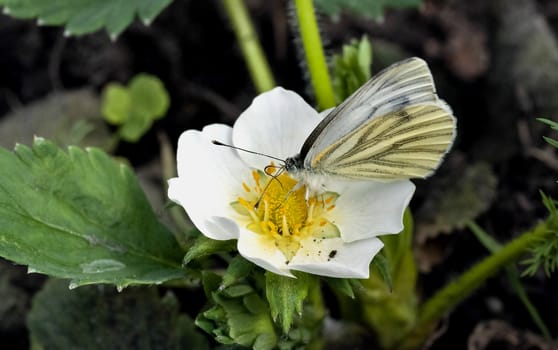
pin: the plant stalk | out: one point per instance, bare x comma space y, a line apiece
455, 292
254, 56
314, 53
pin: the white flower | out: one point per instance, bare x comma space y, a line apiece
228, 195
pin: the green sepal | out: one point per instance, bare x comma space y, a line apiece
238, 315
286, 295
238, 269
342, 286
382, 265
204, 246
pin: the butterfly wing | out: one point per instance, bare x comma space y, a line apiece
394, 126
408, 143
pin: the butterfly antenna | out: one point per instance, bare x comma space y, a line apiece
219, 143
273, 177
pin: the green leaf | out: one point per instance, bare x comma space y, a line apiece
367, 8
550, 141
100, 318
81, 215
286, 295
116, 103
551, 123
86, 16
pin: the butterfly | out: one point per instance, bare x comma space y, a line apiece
394, 127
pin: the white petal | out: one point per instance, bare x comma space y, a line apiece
335, 258
366, 209
262, 251
277, 123
209, 178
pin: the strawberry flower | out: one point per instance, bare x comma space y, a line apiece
279, 225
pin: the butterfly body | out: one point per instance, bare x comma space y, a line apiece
394, 127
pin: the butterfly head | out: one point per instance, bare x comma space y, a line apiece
293, 164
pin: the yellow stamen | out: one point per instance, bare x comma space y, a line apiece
278, 208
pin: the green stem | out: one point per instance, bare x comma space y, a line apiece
513, 275
314, 52
251, 49
455, 292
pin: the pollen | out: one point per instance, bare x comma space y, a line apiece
278, 208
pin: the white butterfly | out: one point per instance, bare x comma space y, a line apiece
393, 127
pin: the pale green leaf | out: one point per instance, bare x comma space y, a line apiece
351, 68
116, 103
135, 127
149, 96
81, 215
136, 106
101, 318
86, 16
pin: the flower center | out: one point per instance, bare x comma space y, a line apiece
277, 208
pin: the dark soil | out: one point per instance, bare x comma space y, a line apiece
480, 55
